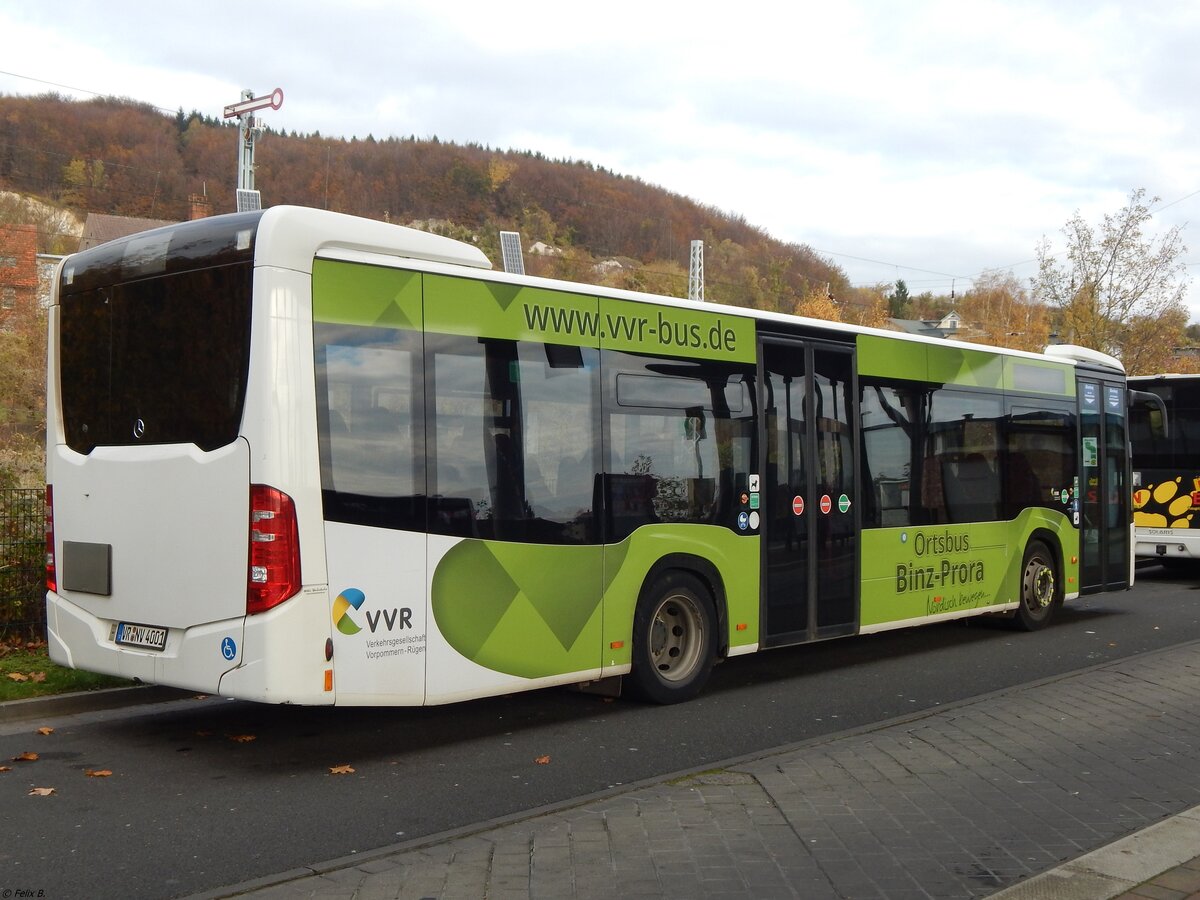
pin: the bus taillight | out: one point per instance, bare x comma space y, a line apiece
274, 549
51, 567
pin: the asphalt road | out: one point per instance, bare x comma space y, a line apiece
210, 792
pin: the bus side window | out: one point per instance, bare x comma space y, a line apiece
514, 426
888, 414
961, 440
680, 440
1039, 458
369, 440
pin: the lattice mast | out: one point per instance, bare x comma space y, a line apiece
696, 272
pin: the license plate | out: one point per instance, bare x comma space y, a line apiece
149, 636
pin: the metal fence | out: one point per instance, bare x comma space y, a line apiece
22, 563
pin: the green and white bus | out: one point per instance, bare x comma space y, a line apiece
296, 456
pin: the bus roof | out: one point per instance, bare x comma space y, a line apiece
291, 236
1167, 376
1076, 354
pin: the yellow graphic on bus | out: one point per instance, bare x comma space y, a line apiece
1165, 504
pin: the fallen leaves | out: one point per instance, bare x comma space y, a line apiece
341, 770
242, 738
18, 646
35, 677
543, 760
30, 756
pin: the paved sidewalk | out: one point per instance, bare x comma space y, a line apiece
1010, 793
1144, 865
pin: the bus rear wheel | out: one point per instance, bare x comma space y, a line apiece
1041, 592
674, 639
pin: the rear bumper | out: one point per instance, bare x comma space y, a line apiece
194, 658
275, 657
1169, 544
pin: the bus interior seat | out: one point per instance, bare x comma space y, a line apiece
972, 489
1023, 489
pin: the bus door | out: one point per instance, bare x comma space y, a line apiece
1103, 487
809, 494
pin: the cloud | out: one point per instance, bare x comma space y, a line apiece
933, 136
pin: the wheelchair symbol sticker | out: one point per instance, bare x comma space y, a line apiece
228, 648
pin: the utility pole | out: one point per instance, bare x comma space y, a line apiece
249, 128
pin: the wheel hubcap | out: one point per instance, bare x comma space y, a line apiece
1039, 584
676, 638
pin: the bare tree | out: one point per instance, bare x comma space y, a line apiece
1109, 283
1001, 309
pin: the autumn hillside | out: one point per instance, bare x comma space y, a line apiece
125, 158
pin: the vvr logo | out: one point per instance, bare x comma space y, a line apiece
352, 598
391, 618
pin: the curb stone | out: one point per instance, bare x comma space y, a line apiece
87, 701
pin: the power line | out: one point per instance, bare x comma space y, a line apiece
68, 87
1180, 200
893, 265
815, 250
972, 279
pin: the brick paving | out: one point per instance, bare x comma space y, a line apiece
998, 794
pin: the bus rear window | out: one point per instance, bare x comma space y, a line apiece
157, 361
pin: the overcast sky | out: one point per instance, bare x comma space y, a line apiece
928, 141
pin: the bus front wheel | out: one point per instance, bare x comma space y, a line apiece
1041, 592
674, 639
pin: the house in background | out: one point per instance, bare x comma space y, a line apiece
18, 271
100, 229
948, 326
25, 274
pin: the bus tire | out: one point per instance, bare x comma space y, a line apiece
1041, 588
674, 639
